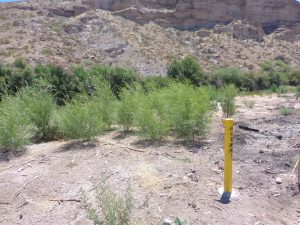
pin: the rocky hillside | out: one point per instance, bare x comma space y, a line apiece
191, 14
231, 33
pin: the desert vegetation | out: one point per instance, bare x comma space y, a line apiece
48, 102
112, 209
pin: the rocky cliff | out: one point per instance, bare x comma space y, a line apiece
192, 14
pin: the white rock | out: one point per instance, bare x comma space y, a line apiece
278, 180
190, 175
168, 221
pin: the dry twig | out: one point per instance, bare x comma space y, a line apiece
102, 181
65, 200
6, 168
21, 188
122, 146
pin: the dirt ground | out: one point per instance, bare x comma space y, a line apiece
168, 179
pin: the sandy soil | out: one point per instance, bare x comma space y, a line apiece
168, 179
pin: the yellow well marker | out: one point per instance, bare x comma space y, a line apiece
228, 124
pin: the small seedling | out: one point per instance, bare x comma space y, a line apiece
249, 104
286, 111
177, 222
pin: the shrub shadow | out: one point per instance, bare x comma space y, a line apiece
190, 145
74, 145
146, 143
9, 155
121, 135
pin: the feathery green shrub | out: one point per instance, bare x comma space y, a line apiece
111, 209
229, 75
127, 107
116, 77
39, 106
156, 82
180, 109
152, 118
189, 110
14, 76
80, 119
286, 111
187, 69
15, 128
228, 93
62, 83
87, 116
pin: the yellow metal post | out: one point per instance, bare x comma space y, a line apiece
298, 172
228, 123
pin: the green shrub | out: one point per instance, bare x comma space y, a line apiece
249, 103
116, 77
275, 66
15, 76
177, 222
298, 92
152, 117
249, 81
286, 111
230, 75
80, 119
282, 90
179, 108
39, 108
188, 69
110, 209
189, 110
63, 84
156, 82
88, 116
294, 78
15, 129
227, 100
105, 101
126, 111
262, 81
20, 63
277, 71
277, 78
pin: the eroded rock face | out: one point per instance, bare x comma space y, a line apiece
192, 14
243, 31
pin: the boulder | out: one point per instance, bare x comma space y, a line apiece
73, 28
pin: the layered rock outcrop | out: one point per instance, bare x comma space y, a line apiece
192, 14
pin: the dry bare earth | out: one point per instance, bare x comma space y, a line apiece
28, 30
168, 179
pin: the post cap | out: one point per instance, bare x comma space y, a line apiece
229, 122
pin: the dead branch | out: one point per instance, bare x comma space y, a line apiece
168, 154
102, 181
65, 200
122, 146
247, 128
6, 168
4, 203
21, 188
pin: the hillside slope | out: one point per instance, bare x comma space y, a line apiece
67, 32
